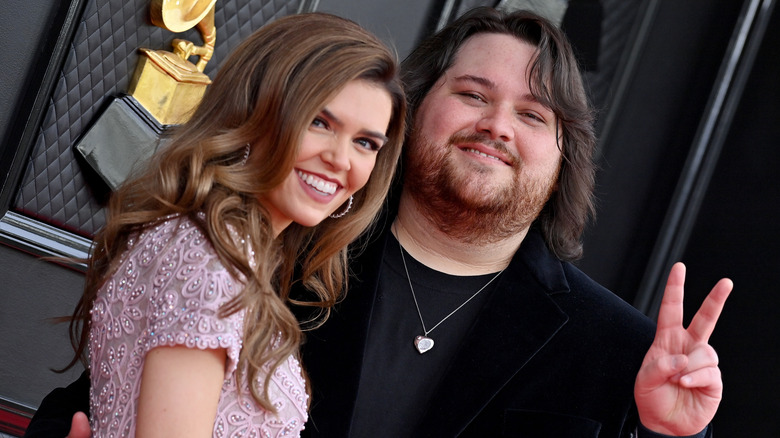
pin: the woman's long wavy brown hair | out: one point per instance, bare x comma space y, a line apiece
266, 95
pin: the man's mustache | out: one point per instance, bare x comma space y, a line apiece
498, 145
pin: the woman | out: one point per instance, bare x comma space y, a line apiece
187, 289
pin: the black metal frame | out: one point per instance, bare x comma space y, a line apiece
17, 230
703, 156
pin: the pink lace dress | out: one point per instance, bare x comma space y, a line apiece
167, 292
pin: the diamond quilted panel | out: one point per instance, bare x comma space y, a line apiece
58, 187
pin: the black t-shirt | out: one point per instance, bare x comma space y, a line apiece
397, 381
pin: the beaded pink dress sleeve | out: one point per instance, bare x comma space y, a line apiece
167, 292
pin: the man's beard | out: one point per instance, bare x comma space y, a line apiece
459, 204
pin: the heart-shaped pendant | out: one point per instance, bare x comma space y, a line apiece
423, 343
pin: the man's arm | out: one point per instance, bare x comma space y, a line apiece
53, 418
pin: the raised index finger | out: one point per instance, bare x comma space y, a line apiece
703, 323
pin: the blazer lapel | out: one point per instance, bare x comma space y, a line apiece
516, 322
337, 348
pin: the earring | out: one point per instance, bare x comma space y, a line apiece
349, 205
245, 155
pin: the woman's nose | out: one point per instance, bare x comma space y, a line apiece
337, 154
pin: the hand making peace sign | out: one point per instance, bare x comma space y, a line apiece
679, 386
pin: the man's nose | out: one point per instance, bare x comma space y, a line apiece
497, 123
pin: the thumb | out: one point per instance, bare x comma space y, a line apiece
659, 371
79, 426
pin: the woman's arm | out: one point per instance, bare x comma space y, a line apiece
180, 390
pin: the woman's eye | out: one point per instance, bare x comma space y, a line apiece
319, 122
368, 144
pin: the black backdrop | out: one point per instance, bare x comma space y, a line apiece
663, 60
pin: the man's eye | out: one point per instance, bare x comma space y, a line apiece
533, 116
473, 96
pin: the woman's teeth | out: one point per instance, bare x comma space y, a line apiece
318, 184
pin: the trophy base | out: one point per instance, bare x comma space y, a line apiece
123, 137
167, 86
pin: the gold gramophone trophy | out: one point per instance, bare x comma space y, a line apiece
166, 83
164, 90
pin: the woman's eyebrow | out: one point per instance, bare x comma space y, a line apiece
336, 121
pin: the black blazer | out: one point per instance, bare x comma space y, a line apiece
553, 354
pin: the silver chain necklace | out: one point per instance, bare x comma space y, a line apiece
422, 342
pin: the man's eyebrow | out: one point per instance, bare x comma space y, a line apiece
336, 121
485, 82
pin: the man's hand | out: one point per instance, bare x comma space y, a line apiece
679, 386
79, 426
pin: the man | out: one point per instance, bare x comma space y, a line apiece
465, 317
